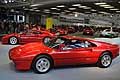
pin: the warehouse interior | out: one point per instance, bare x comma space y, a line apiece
91, 19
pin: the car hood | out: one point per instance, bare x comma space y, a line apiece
35, 46
30, 49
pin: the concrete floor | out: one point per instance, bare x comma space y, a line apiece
8, 72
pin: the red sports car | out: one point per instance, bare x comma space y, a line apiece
26, 37
62, 51
88, 31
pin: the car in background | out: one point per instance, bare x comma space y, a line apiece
58, 31
61, 51
27, 37
88, 31
109, 33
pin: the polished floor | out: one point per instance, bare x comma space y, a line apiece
8, 72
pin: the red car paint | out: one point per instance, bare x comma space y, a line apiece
34, 36
24, 55
88, 31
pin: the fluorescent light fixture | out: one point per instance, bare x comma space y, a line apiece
104, 5
31, 9
63, 12
76, 4
82, 6
33, 5
37, 10
109, 7
99, 3
60, 6
87, 8
55, 13
34, 8
26, 9
114, 9
87, 12
104, 12
70, 14
67, 11
72, 8
93, 10
53, 8
117, 11
46, 10
58, 9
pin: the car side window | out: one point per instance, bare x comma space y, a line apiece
74, 44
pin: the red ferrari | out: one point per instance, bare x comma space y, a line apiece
60, 51
26, 37
88, 31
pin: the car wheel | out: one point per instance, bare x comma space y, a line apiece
105, 60
13, 40
42, 64
46, 39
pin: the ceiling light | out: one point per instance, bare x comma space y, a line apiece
76, 4
104, 12
119, 2
55, 13
60, 6
63, 12
114, 9
58, 9
53, 8
31, 9
34, 8
35, 5
37, 10
5, 1
87, 12
67, 11
72, 8
26, 9
93, 10
104, 5
71, 14
82, 6
76, 15
99, 3
109, 7
46, 10
117, 11
87, 8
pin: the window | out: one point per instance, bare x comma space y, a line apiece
78, 44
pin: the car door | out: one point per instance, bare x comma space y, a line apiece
75, 56
28, 37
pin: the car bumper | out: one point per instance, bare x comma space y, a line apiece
22, 65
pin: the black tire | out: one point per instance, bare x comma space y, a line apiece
10, 40
34, 64
101, 64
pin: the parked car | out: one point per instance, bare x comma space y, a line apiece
88, 31
26, 37
110, 33
58, 31
60, 51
